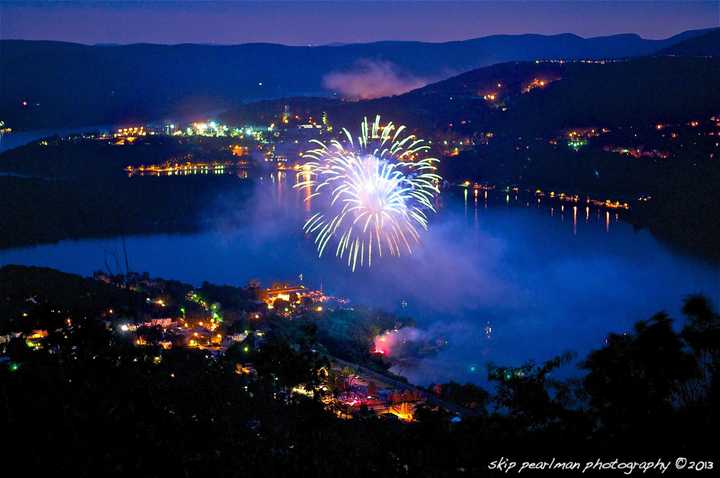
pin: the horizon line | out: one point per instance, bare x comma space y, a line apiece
341, 44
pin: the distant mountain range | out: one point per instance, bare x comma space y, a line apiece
53, 84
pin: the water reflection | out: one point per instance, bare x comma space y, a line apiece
574, 220
304, 176
508, 283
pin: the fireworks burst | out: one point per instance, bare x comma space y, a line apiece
374, 191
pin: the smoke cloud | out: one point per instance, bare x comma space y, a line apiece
369, 79
395, 343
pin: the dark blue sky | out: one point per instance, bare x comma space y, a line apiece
311, 22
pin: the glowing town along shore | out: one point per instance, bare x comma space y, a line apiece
282, 142
559, 196
374, 192
192, 321
200, 329
170, 168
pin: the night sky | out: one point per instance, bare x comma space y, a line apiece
305, 22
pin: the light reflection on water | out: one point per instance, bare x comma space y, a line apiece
524, 269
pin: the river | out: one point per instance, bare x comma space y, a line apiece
503, 278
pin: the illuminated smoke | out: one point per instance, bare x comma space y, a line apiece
407, 344
372, 79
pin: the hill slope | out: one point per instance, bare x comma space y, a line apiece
707, 44
574, 94
52, 84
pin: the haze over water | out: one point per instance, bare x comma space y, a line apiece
503, 280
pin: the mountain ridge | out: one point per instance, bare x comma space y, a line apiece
686, 34
52, 84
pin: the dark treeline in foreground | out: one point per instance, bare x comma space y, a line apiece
91, 403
